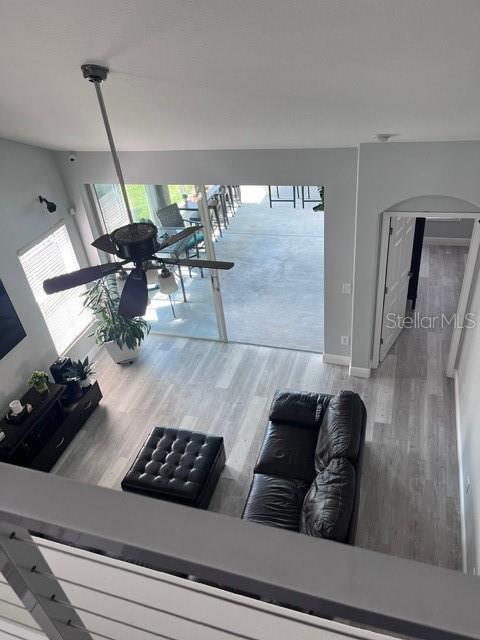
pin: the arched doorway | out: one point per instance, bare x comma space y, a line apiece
402, 237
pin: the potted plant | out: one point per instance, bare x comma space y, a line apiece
121, 336
39, 381
82, 370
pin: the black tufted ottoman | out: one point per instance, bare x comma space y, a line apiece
177, 465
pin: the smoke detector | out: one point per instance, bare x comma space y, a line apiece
383, 137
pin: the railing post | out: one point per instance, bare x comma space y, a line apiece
29, 575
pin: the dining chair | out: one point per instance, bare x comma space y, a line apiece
170, 216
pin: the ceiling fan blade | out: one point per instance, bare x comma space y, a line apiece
82, 276
134, 299
178, 236
205, 264
105, 243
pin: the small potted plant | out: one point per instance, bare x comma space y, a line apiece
39, 381
82, 370
121, 336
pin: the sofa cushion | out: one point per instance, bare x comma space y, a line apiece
341, 429
276, 502
328, 505
288, 451
302, 409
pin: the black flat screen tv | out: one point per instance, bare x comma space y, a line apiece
11, 329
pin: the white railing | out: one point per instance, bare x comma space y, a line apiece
213, 577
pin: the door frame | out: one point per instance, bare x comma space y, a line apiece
466, 283
210, 251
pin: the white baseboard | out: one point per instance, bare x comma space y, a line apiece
359, 372
461, 487
453, 242
332, 358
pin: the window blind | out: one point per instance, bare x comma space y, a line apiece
63, 312
112, 206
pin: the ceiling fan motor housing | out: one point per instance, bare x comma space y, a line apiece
94, 72
136, 242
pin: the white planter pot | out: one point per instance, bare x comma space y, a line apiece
121, 356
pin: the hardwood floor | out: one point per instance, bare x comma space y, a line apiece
409, 497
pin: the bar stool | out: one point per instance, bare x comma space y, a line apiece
223, 204
214, 207
237, 194
230, 198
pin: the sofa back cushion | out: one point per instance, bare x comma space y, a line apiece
341, 429
328, 505
288, 452
298, 408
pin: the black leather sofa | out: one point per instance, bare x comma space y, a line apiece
307, 476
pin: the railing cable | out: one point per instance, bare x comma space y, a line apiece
318, 625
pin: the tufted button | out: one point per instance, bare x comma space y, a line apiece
181, 473
167, 470
165, 442
192, 447
179, 445
173, 458
152, 467
159, 455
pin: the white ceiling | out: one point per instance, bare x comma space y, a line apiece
213, 74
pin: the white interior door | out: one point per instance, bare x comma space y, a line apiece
400, 245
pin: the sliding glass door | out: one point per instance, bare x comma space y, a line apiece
274, 296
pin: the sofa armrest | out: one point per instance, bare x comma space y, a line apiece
298, 408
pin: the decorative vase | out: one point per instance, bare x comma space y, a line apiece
74, 390
121, 355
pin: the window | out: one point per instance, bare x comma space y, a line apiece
112, 207
144, 200
63, 312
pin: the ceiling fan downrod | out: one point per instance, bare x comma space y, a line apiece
96, 74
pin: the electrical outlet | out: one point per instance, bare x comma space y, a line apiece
467, 484
344, 340
346, 288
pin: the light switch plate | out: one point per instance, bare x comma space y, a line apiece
346, 288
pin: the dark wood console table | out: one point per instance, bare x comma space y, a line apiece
46, 432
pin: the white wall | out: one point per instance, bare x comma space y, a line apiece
25, 173
389, 174
468, 376
452, 230
334, 168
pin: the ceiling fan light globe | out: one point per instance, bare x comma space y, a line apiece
168, 284
152, 278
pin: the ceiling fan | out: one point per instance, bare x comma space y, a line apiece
136, 243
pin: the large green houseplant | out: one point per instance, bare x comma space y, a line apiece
121, 336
